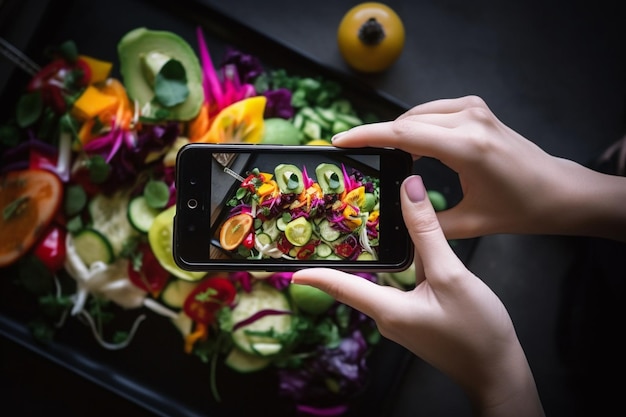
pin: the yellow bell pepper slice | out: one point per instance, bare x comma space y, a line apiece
91, 103
100, 70
240, 122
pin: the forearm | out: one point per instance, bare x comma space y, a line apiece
589, 204
510, 391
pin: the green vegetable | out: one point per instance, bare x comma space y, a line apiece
162, 72
310, 299
245, 362
282, 132
438, 200
261, 337
289, 178
330, 178
156, 193
113, 223
140, 214
93, 246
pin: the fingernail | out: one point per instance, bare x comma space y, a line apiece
337, 136
415, 188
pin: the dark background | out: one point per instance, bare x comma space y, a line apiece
554, 72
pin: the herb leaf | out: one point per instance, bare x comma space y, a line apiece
170, 84
157, 194
29, 108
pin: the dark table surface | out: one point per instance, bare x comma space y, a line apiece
555, 74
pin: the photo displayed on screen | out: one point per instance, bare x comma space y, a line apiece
320, 209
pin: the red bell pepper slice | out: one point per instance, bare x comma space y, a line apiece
147, 273
249, 240
50, 249
53, 80
208, 297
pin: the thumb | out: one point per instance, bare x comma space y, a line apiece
353, 290
433, 250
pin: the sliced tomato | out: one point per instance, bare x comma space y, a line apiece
29, 199
147, 273
208, 297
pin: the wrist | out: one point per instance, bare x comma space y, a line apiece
509, 389
590, 203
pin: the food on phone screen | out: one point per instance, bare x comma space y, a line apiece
290, 215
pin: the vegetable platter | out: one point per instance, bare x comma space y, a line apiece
88, 280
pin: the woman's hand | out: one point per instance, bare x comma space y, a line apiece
509, 184
451, 319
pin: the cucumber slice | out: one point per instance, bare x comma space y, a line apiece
140, 214
312, 116
281, 224
109, 217
325, 113
323, 250
327, 232
92, 246
349, 119
176, 292
263, 239
312, 130
255, 338
269, 227
243, 362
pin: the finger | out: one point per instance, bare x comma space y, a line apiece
446, 106
355, 291
459, 222
412, 136
439, 261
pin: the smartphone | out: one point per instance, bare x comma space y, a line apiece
280, 208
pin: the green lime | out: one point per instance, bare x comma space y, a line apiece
278, 131
310, 299
298, 231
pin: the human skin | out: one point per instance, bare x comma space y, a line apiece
450, 319
509, 184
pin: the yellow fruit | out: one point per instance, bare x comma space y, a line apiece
318, 142
370, 37
234, 230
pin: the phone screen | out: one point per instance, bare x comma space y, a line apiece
271, 208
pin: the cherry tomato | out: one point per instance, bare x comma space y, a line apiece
208, 297
147, 273
248, 241
344, 249
50, 249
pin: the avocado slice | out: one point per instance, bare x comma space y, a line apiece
289, 178
147, 57
330, 178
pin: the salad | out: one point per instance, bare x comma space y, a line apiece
287, 214
87, 193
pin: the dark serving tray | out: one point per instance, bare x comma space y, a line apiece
153, 371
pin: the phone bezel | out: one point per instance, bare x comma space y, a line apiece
191, 240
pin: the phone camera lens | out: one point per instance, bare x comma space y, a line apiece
192, 203
193, 181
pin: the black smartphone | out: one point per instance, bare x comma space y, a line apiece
280, 208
